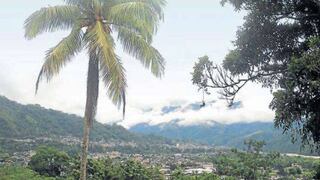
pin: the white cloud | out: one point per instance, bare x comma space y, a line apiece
254, 108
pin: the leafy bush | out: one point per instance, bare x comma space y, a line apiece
18, 173
50, 162
317, 175
98, 169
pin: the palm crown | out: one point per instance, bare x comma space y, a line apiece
93, 24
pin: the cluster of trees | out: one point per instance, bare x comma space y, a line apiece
255, 164
49, 163
18, 173
248, 165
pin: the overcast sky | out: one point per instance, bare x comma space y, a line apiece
191, 29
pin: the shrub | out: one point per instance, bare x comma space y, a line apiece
50, 162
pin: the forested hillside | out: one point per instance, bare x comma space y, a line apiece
229, 135
35, 122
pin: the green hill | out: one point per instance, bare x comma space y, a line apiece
24, 127
226, 135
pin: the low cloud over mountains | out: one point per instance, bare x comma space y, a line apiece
187, 114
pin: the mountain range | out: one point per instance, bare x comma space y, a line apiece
24, 127
225, 135
221, 134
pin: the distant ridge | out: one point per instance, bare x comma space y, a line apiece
20, 122
227, 135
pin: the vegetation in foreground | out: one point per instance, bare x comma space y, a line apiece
49, 163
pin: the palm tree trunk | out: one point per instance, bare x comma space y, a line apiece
90, 111
85, 145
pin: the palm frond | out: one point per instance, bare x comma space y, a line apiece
143, 28
141, 15
59, 55
88, 7
79, 3
156, 6
112, 71
115, 81
74, 2
136, 46
51, 19
97, 6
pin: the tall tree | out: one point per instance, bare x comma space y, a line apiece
92, 24
278, 46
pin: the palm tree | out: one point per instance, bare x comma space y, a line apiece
94, 24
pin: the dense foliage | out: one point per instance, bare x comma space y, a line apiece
297, 103
53, 163
254, 164
49, 162
246, 165
278, 47
18, 173
317, 175
229, 165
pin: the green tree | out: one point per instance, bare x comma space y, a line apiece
18, 173
114, 169
247, 165
134, 170
278, 47
177, 174
254, 146
92, 23
317, 174
50, 162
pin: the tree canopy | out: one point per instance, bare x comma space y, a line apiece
278, 46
